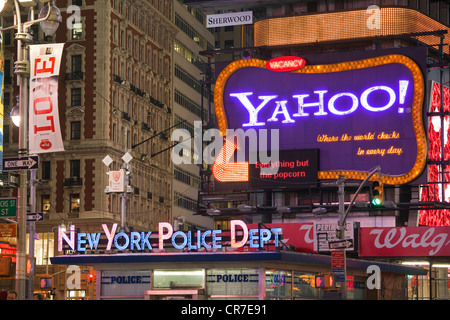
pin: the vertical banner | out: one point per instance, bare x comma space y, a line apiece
44, 128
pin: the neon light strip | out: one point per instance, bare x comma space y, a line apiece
421, 140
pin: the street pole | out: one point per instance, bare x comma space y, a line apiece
32, 231
22, 71
340, 231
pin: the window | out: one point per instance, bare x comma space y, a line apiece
75, 130
185, 202
45, 203
114, 134
7, 38
229, 44
6, 99
46, 170
76, 63
77, 30
75, 97
7, 72
5, 134
339, 4
194, 278
186, 177
44, 242
75, 202
122, 38
311, 6
75, 168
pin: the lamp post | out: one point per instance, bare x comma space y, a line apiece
22, 70
343, 213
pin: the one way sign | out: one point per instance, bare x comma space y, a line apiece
38, 216
24, 163
341, 244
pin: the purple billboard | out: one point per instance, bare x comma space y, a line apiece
358, 114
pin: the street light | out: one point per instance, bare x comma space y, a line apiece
2, 4
15, 116
22, 70
51, 24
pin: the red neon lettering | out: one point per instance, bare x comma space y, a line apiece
285, 64
44, 66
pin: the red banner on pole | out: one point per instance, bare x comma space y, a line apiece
44, 128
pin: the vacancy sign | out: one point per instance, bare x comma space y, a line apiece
229, 19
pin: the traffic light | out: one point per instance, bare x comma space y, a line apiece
377, 194
91, 277
324, 280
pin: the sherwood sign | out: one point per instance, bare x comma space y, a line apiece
229, 19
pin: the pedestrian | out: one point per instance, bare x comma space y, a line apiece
12, 295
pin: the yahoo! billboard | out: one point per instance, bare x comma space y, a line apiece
358, 114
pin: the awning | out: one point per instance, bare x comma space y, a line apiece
230, 257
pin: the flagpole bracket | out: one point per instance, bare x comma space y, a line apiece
22, 68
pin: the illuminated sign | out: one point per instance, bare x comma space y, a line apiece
229, 19
295, 168
433, 190
46, 283
405, 242
358, 114
140, 241
117, 181
285, 64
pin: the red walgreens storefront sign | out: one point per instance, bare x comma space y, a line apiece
404, 242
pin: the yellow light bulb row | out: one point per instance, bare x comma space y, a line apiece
352, 24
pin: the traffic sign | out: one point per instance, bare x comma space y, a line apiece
37, 216
8, 207
8, 230
340, 244
320, 281
324, 280
338, 265
338, 259
23, 163
325, 233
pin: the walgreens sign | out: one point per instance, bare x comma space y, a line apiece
405, 242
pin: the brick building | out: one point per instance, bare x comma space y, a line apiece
115, 91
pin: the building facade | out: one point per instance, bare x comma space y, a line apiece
115, 96
192, 109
